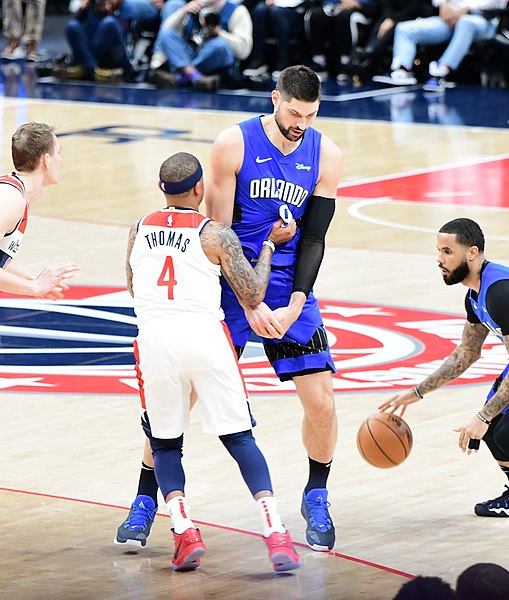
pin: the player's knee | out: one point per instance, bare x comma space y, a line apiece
232, 440
158, 444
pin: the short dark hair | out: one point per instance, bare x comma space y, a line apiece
178, 167
468, 232
30, 142
486, 581
425, 588
299, 82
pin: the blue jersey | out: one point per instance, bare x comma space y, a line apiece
269, 184
491, 273
269, 180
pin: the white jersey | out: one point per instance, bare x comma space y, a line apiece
171, 272
182, 343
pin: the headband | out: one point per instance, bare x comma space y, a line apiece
180, 187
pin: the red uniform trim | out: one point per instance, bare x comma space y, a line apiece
170, 219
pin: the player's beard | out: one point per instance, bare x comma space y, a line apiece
458, 274
285, 131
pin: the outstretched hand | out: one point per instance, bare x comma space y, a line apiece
475, 429
399, 402
50, 283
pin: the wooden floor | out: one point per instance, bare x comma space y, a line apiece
70, 461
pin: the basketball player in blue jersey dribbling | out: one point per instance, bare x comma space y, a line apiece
279, 165
265, 168
36, 156
460, 244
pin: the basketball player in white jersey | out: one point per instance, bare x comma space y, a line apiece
174, 260
36, 158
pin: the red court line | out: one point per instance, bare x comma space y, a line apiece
205, 523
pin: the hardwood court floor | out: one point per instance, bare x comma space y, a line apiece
70, 464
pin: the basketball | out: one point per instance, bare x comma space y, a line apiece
384, 440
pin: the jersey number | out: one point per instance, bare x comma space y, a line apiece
167, 277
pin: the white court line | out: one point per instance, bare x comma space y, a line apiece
355, 210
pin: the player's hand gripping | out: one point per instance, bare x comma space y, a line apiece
263, 322
282, 232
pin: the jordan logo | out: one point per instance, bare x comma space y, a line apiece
262, 160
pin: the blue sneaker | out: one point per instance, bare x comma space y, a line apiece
135, 530
320, 533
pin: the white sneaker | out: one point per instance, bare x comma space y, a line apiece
438, 70
397, 77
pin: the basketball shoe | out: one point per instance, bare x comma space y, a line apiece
498, 507
189, 548
282, 554
135, 530
320, 533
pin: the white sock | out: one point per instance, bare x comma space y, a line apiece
271, 521
179, 513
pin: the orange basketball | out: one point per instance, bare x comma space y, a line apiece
384, 440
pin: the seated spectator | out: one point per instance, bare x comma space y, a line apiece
199, 42
426, 588
97, 37
330, 30
145, 12
365, 62
281, 20
17, 28
483, 581
459, 23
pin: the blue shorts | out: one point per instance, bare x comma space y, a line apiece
303, 349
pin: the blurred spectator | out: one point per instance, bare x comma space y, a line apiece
426, 588
483, 581
97, 37
366, 61
27, 29
199, 42
334, 28
281, 20
459, 23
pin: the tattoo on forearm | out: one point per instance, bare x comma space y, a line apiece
247, 283
460, 360
500, 399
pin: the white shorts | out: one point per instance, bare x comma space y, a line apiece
188, 350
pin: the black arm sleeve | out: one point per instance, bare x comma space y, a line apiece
497, 303
471, 316
312, 242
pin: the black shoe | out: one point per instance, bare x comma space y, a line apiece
162, 78
498, 507
207, 83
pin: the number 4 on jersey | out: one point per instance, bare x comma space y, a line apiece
167, 277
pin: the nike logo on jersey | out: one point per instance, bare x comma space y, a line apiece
262, 160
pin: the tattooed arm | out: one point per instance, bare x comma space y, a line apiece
500, 398
453, 366
128, 271
222, 246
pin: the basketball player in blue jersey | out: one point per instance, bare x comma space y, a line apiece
36, 157
279, 165
265, 168
460, 244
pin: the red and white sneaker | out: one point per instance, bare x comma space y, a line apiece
189, 548
281, 552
